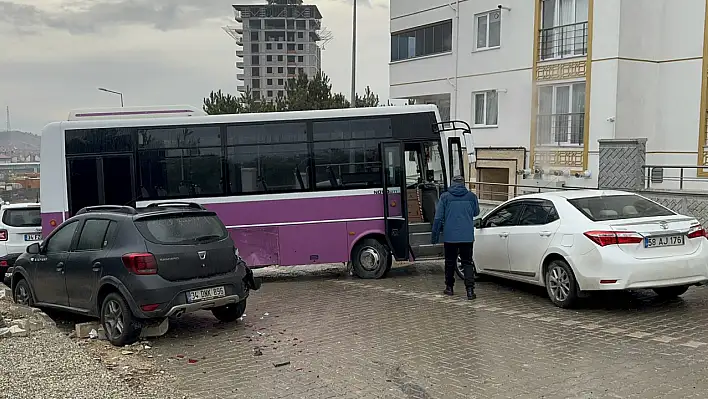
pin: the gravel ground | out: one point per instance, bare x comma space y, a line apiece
48, 364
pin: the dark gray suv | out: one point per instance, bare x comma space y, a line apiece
129, 266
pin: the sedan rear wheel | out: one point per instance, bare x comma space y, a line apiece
561, 285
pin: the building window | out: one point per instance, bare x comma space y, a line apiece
280, 58
564, 29
269, 82
300, 35
280, 93
300, 47
270, 93
301, 24
256, 83
486, 108
422, 41
291, 58
256, 95
291, 71
561, 114
269, 69
291, 47
281, 82
300, 59
291, 36
269, 58
269, 46
488, 27
256, 71
255, 60
254, 48
254, 36
280, 46
280, 69
254, 23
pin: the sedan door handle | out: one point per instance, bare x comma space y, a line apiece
60, 267
503, 235
96, 267
545, 234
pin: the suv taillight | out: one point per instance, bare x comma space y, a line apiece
697, 231
3, 235
140, 263
604, 238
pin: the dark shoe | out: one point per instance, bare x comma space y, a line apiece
448, 291
470, 294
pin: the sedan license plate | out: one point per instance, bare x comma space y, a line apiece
664, 241
33, 237
206, 294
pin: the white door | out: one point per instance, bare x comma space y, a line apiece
530, 238
491, 239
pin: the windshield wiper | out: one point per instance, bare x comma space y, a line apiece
208, 237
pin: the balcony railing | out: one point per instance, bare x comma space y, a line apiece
560, 129
563, 41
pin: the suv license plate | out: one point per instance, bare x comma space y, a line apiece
33, 237
663, 241
206, 294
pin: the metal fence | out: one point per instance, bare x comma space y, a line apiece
563, 41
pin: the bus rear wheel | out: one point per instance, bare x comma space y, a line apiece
371, 259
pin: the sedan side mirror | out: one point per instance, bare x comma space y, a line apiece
34, 249
478, 223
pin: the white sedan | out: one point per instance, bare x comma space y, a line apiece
591, 240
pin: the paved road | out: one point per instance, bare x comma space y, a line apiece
399, 338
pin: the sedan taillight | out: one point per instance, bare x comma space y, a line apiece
141, 264
697, 231
605, 238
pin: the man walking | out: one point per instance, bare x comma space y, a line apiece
454, 216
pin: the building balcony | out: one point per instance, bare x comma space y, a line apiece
566, 130
239, 41
239, 64
241, 88
239, 53
564, 41
240, 76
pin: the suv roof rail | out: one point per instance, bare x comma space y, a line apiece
192, 205
108, 208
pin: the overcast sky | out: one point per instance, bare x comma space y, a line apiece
54, 54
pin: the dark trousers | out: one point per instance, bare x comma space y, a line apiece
464, 250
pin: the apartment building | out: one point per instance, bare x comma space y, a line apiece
541, 81
275, 42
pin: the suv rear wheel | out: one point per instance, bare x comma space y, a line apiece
118, 321
230, 313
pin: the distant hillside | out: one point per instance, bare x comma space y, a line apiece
14, 139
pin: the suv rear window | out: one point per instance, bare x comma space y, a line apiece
22, 217
182, 229
615, 207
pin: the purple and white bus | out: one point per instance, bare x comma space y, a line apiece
348, 185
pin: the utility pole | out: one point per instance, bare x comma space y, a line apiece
353, 98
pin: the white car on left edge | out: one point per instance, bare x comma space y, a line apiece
20, 226
591, 240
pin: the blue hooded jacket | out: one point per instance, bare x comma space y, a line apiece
455, 215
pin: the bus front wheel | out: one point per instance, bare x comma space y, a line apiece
371, 259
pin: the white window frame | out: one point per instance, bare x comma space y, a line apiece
486, 123
476, 30
554, 112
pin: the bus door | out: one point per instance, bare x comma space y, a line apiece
104, 180
394, 198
